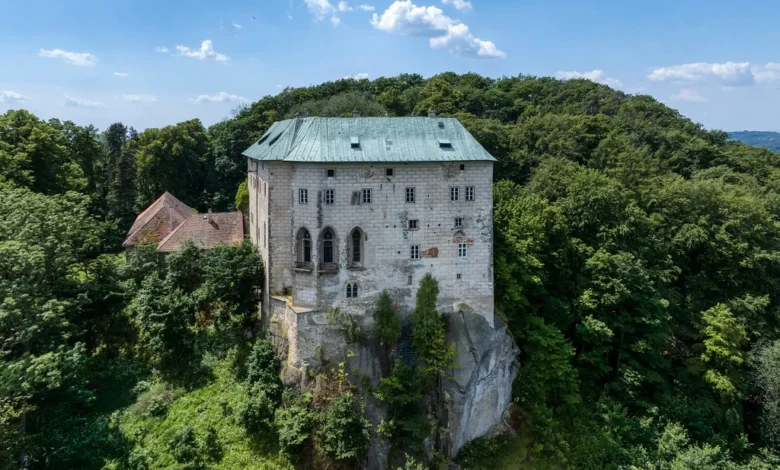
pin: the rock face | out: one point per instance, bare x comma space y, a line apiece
481, 389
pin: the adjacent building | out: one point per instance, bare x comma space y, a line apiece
168, 222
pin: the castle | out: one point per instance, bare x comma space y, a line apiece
342, 208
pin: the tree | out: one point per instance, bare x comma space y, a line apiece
242, 197
344, 430
428, 332
386, 320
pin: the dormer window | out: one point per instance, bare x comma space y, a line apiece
445, 144
354, 142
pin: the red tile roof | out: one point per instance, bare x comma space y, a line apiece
158, 220
225, 227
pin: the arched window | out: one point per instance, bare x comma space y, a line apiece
328, 254
352, 290
303, 249
355, 246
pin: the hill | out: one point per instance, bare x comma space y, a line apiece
636, 263
766, 139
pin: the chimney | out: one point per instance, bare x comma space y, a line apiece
209, 219
431, 112
355, 114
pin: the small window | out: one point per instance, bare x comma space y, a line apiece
445, 144
462, 167
354, 142
414, 224
457, 276
458, 222
409, 280
331, 173
352, 290
415, 251
454, 193
329, 196
441, 125
366, 196
389, 172
469, 193
303, 196
410, 195
462, 250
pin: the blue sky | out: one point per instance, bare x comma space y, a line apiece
99, 62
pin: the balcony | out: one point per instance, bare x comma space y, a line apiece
329, 267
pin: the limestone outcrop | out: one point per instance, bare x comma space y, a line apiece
481, 389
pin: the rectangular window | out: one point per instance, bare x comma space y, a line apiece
331, 173
303, 196
409, 195
414, 224
454, 193
389, 172
409, 280
462, 167
329, 196
469, 193
366, 196
462, 250
415, 251
458, 222
457, 276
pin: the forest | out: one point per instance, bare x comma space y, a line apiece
637, 265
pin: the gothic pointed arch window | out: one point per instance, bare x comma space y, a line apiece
356, 254
303, 249
328, 253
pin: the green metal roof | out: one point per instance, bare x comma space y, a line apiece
380, 139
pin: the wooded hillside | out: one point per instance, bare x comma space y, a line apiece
637, 264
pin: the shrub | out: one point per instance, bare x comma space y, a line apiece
257, 411
344, 323
183, 446
344, 431
292, 421
263, 369
386, 320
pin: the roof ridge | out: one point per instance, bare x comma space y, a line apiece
167, 237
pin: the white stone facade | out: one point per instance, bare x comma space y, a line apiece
458, 253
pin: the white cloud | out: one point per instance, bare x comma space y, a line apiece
320, 8
121, 74
73, 102
597, 76
406, 18
206, 50
162, 49
367, 7
279, 86
728, 73
236, 25
8, 96
83, 59
140, 98
724, 74
220, 97
458, 4
344, 6
335, 20
687, 94
360, 76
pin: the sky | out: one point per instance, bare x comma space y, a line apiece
155, 63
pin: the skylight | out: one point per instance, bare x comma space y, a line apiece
354, 142
273, 141
445, 143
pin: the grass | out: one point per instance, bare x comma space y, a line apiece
213, 404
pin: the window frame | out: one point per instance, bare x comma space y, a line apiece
463, 250
415, 252
329, 196
454, 193
330, 173
303, 196
410, 191
471, 192
389, 172
414, 224
365, 196
458, 222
